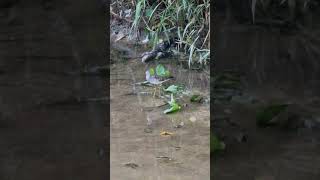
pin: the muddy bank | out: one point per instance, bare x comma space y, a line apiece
45, 134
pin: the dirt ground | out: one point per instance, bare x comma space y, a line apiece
138, 151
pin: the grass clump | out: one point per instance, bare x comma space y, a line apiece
188, 20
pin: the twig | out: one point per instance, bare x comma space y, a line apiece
205, 39
206, 72
153, 107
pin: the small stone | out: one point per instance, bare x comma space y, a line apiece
148, 130
241, 137
180, 125
127, 13
308, 124
193, 119
132, 165
227, 111
101, 152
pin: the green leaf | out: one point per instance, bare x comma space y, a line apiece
167, 73
174, 107
265, 115
160, 70
196, 98
151, 71
216, 144
152, 11
149, 12
184, 4
173, 89
139, 7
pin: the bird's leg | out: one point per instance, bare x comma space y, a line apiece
154, 91
160, 90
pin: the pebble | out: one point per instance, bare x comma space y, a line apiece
132, 165
227, 111
193, 119
148, 130
179, 125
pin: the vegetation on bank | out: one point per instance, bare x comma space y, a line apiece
188, 20
289, 9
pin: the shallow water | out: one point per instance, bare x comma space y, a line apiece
136, 124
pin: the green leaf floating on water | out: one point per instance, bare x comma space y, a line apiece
215, 144
174, 106
196, 98
172, 89
161, 71
265, 116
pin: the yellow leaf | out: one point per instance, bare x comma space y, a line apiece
166, 133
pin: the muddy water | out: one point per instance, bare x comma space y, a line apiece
45, 132
271, 153
279, 65
136, 123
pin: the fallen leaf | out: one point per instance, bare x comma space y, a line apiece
196, 98
174, 89
166, 133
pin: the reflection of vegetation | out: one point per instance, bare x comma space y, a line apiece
265, 116
186, 19
286, 8
216, 145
